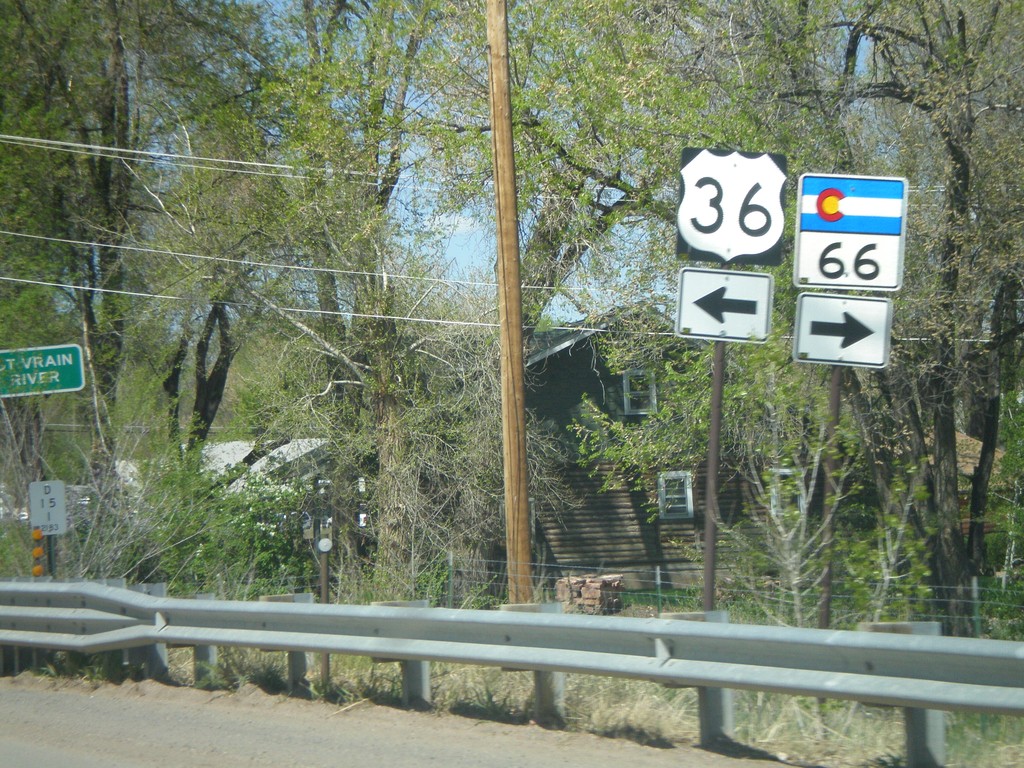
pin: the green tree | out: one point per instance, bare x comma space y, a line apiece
944, 66
927, 91
93, 92
352, 89
102, 104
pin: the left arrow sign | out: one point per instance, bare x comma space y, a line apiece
851, 330
724, 305
716, 305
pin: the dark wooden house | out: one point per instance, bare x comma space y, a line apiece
608, 525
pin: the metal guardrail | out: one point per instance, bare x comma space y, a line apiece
905, 670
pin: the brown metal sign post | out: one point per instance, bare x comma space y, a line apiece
730, 212
711, 495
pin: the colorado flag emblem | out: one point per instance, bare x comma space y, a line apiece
852, 205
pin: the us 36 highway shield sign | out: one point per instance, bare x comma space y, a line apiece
730, 207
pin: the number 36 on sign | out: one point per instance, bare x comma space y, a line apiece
730, 207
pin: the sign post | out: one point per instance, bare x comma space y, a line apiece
730, 212
851, 232
41, 370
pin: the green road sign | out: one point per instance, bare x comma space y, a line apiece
41, 370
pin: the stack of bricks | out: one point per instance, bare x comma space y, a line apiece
591, 594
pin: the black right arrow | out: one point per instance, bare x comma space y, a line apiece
851, 330
716, 305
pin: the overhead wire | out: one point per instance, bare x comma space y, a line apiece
195, 162
580, 328
266, 265
295, 310
221, 164
241, 166
309, 311
154, 156
383, 275
252, 263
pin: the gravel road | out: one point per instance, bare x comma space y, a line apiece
48, 723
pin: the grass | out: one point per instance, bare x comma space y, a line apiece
804, 731
985, 741
801, 731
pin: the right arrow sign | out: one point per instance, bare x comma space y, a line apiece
851, 330
842, 330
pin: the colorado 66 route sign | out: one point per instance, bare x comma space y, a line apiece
850, 232
730, 207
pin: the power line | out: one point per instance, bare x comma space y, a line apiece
307, 311
261, 264
253, 167
199, 162
295, 310
99, 150
196, 162
402, 318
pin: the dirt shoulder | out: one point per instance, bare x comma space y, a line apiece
48, 723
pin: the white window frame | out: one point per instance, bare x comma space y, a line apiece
669, 502
774, 500
628, 393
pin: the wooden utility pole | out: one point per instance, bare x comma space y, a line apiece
510, 311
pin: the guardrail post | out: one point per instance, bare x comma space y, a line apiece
548, 687
204, 657
152, 658
415, 672
297, 683
9, 661
714, 705
925, 728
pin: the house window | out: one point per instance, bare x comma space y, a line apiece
675, 496
786, 492
639, 392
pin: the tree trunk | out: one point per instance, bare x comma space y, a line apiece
210, 386
987, 424
951, 566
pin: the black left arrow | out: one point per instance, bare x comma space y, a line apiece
851, 330
716, 305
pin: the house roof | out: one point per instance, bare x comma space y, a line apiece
218, 458
548, 343
296, 459
288, 453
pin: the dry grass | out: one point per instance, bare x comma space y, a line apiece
799, 731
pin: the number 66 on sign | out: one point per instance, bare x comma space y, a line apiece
850, 232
